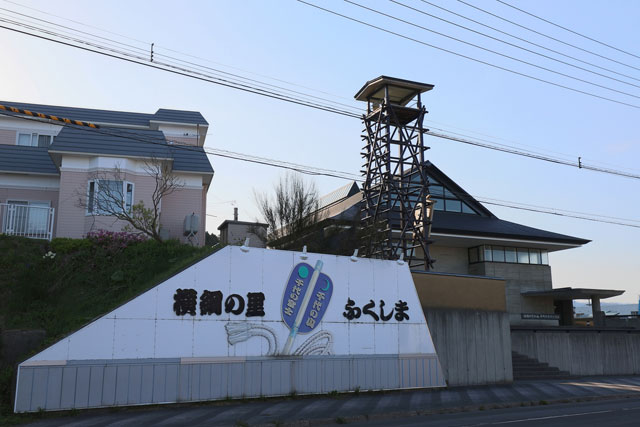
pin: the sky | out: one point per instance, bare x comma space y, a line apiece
332, 57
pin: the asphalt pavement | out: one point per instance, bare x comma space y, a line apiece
522, 403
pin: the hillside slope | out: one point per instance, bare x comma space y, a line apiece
61, 285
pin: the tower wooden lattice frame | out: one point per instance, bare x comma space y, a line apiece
395, 207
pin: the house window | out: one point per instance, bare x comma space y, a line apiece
108, 196
34, 140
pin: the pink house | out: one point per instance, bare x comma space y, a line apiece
53, 176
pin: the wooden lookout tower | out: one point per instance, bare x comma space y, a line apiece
396, 210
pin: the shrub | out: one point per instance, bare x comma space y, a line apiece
114, 240
64, 245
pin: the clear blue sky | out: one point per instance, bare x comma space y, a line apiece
296, 43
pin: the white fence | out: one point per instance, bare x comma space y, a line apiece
35, 222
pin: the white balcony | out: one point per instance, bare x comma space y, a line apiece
26, 220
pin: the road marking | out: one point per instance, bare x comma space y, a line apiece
554, 416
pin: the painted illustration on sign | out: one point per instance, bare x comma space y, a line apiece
304, 302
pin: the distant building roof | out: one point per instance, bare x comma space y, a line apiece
19, 159
338, 195
112, 117
227, 222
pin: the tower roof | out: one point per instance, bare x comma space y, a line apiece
400, 91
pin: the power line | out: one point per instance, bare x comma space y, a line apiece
308, 102
549, 159
248, 88
528, 41
510, 150
548, 36
469, 57
568, 29
148, 44
185, 73
549, 212
231, 74
488, 199
531, 64
335, 174
515, 45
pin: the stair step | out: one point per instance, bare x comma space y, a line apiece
532, 363
535, 371
525, 367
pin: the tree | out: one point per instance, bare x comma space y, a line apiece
291, 209
110, 194
210, 239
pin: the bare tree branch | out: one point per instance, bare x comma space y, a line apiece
292, 208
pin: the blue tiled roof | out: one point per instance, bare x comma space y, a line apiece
130, 143
179, 116
16, 158
190, 159
111, 141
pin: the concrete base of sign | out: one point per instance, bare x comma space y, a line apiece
100, 383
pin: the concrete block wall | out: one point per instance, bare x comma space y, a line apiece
473, 346
520, 278
450, 259
581, 352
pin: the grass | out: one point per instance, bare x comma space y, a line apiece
84, 280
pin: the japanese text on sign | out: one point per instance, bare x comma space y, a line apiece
354, 312
211, 302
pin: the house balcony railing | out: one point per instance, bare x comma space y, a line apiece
24, 220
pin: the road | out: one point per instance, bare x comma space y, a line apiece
521, 403
609, 413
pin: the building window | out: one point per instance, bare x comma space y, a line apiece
490, 253
34, 140
534, 256
498, 253
523, 256
447, 200
105, 197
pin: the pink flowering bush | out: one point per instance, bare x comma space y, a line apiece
114, 240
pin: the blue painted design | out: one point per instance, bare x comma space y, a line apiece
297, 285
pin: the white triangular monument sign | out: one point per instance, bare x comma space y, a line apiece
244, 323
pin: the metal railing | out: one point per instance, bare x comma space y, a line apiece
35, 222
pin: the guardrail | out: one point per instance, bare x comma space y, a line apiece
34, 222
